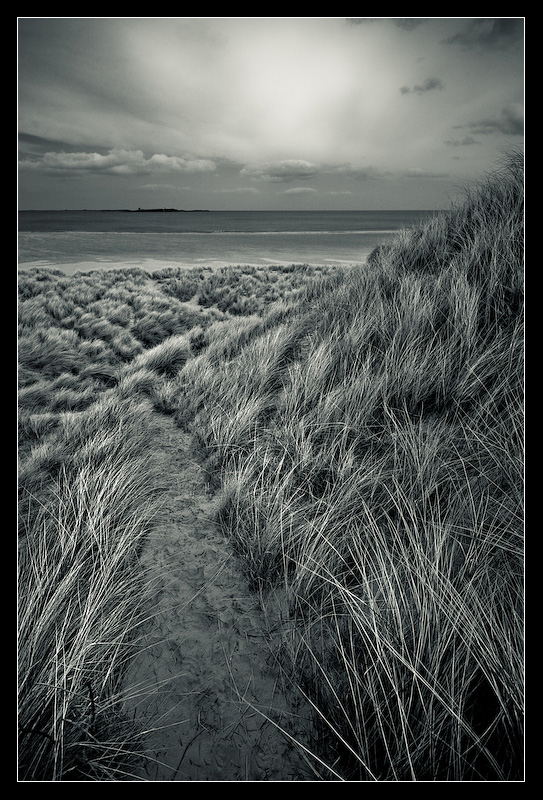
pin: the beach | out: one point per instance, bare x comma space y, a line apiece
83, 241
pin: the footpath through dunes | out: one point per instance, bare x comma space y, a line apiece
203, 688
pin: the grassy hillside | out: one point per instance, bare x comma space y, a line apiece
369, 438
366, 428
98, 354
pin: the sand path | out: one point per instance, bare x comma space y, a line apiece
206, 672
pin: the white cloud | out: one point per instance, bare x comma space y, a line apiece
300, 190
160, 187
117, 162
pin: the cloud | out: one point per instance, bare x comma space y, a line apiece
300, 190
429, 85
489, 34
466, 141
359, 173
239, 190
405, 23
418, 172
361, 20
510, 122
159, 187
409, 23
281, 171
292, 171
265, 103
116, 162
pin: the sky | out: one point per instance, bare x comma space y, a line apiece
264, 113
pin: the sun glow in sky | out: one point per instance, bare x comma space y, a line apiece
264, 113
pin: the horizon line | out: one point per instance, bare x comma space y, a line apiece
235, 210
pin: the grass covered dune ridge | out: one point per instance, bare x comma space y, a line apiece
365, 427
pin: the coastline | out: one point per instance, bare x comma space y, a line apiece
154, 241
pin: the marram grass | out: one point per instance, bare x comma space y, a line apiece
78, 617
99, 354
374, 471
366, 428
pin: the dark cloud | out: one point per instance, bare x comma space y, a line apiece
489, 33
409, 23
406, 23
510, 122
429, 85
31, 145
418, 172
361, 20
465, 142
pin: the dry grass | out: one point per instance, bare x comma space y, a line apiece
370, 447
367, 430
81, 594
97, 354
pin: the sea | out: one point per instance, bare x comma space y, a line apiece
75, 241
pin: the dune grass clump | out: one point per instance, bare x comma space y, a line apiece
167, 358
81, 592
154, 374
370, 445
247, 290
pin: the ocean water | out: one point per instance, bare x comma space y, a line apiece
83, 240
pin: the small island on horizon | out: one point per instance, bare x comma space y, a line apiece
177, 210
